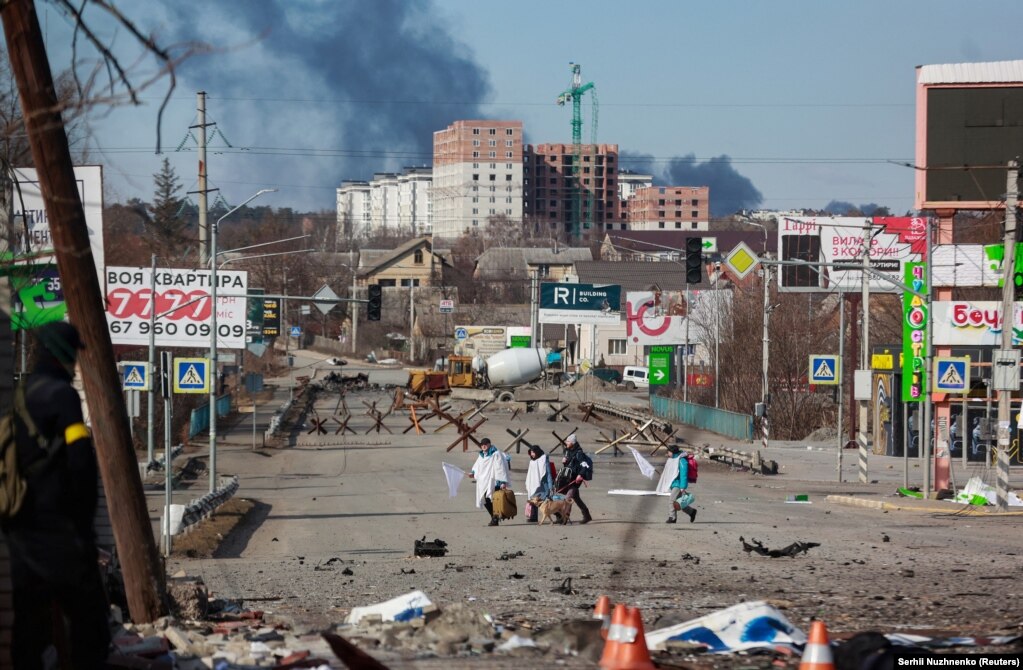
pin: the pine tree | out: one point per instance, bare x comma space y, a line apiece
167, 226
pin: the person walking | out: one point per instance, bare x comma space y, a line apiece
51, 539
577, 468
539, 479
675, 482
490, 472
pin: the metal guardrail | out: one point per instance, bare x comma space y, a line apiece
159, 464
750, 460
629, 414
730, 424
202, 508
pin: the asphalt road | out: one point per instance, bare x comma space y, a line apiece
364, 499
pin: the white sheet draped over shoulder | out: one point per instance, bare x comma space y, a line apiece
489, 470
538, 469
668, 475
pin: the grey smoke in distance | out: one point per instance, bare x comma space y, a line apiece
376, 78
729, 190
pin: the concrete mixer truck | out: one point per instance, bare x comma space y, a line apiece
501, 377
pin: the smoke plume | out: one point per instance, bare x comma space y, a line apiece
729, 190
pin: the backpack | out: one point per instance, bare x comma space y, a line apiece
693, 470
13, 484
586, 472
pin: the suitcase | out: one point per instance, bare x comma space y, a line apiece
504, 504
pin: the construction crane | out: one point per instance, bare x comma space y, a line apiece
574, 94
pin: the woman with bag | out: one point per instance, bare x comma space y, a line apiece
675, 482
491, 473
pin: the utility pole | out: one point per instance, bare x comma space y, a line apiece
133, 532
6, 334
766, 391
151, 405
841, 360
862, 439
354, 306
203, 223
1008, 295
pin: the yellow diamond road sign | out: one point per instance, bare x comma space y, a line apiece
741, 260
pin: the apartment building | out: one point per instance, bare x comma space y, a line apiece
668, 208
390, 204
628, 183
550, 197
477, 176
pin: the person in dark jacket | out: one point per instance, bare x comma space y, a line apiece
574, 464
51, 539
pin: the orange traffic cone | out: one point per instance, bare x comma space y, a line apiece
817, 655
603, 612
611, 646
631, 653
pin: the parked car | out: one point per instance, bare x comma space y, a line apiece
636, 377
609, 375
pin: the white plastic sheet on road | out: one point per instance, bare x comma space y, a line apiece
977, 487
750, 625
403, 608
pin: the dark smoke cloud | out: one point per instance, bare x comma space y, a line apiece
842, 208
387, 54
729, 190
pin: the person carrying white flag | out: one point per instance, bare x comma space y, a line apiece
645, 468
675, 481
490, 471
454, 476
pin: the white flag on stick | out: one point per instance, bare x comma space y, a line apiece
644, 465
454, 475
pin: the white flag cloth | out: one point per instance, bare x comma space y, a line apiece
644, 465
668, 475
454, 475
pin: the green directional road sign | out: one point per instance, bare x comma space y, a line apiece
659, 364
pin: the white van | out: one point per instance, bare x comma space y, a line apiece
635, 377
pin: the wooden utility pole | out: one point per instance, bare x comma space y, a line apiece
136, 546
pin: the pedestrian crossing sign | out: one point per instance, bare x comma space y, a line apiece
191, 375
952, 374
825, 369
135, 376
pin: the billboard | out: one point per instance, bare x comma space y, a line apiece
485, 340
895, 241
914, 335
183, 307
655, 317
580, 303
973, 323
36, 285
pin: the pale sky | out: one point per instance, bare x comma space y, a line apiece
810, 100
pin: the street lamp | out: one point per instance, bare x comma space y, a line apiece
765, 392
213, 336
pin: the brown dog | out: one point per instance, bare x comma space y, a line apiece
548, 508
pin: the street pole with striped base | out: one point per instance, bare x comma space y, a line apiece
862, 439
1008, 295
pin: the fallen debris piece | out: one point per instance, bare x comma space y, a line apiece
507, 557
565, 588
909, 492
799, 498
350, 655
402, 608
435, 548
791, 551
749, 625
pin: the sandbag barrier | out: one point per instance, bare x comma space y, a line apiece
202, 508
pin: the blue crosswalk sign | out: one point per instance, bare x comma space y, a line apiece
296, 331
951, 375
461, 334
825, 369
135, 376
191, 375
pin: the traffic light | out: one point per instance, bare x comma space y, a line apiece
376, 301
694, 260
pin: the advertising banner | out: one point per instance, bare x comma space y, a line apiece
895, 241
973, 323
183, 307
35, 283
655, 317
482, 340
271, 317
968, 265
914, 335
580, 303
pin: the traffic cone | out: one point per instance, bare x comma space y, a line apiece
603, 612
631, 653
817, 655
611, 646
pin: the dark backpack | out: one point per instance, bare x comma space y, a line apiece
586, 472
13, 484
693, 470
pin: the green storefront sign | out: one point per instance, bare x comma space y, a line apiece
659, 364
520, 342
914, 335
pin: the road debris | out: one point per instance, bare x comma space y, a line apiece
748, 625
435, 548
791, 551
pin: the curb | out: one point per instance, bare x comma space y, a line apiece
961, 510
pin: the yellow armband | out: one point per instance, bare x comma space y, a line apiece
75, 432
